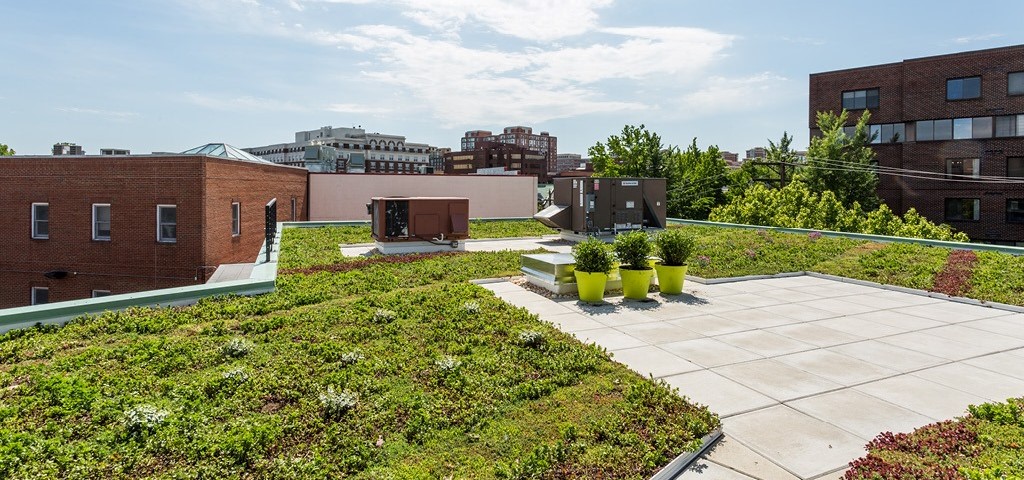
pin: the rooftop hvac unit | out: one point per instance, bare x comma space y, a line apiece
592, 206
419, 224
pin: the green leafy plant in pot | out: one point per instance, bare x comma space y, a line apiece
632, 249
673, 247
593, 263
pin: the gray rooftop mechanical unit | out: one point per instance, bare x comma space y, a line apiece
605, 205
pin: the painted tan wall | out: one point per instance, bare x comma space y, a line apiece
334, 197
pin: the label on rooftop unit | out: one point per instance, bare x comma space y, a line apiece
630, 183
630, 204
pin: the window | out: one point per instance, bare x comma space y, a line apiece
100, 293
101, 221
963, 88
1015, 83
40, 295
943, 129
962, 128
925, 130
860, 99
963, 209
295, 208
1015, 210
236, 219
1006, 126
962, 167
1015, 166
981, 127
167, 223
41, 220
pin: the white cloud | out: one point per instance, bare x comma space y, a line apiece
720, 94
243, 103
355, 108
116, 115
539, 20
440, 76
976, 38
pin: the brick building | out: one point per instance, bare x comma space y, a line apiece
958, 118
497, 155
87, 226
358, 151
524, 137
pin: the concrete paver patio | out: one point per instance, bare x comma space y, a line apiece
804, 371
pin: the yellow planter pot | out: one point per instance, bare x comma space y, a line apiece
671, 278
591, 285
635, 283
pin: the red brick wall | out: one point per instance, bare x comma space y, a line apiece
252, 185
916, 90
132, 260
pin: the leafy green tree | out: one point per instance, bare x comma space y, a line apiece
636, 153
755, 171
5, 150
797, 206
841, 163
701, 176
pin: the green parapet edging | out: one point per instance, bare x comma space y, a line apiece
262, 280
859, 236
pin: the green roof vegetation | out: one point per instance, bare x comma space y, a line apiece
389, 370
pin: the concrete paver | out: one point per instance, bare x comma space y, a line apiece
805, 445
742, 459
803, 370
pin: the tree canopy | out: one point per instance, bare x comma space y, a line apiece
700, 178
636, 153
5, 150
843, 164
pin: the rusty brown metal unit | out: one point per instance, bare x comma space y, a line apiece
403, 219
598, 205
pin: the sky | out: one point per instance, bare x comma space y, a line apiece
169, 75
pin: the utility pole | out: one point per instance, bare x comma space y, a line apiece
782, 180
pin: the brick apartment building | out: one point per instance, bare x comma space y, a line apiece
498, 155
82, 226
519, 135
959, 117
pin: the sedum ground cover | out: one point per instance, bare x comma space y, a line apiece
987, 444
389, 370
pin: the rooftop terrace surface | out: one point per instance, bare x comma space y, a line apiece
803, 370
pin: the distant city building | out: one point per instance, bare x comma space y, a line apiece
437, 158
568, 161
756, 152
66, 148
115, 151
490, 155
517, 135
357, 150
952, 124
732, 160
104, 225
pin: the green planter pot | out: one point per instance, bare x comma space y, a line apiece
635, 283
591, 285
670, 278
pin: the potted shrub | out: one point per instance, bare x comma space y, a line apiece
593, 262
633, 248
673, 247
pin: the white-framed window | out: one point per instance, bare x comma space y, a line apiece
167, 223
101, 221
40, 295
41, 220
100, 293
236, 219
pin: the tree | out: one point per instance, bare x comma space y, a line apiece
5, 150
841, 163
636, 153
775, 170
701, 176
796, 206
